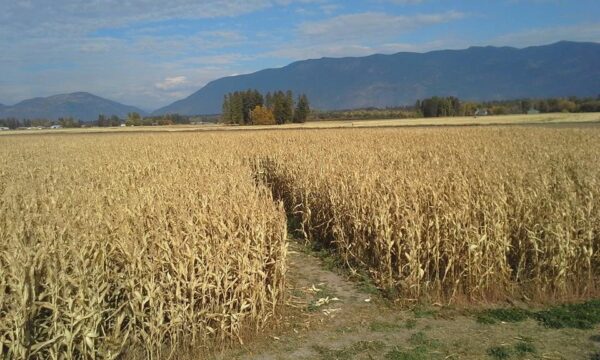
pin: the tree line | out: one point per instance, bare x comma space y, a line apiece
369, 113
14, 123
452, 106
250, 107
135, 119
132, 119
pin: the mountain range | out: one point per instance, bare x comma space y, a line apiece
477, 73
79, 105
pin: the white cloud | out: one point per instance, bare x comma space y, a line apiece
171, 83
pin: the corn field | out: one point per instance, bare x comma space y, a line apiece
109, 243
114, 242
482, 214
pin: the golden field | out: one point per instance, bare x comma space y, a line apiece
109, 243
519, 119
148, 241
443, 214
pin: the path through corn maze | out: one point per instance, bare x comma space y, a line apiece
331, 315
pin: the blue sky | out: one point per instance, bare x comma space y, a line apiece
149, 53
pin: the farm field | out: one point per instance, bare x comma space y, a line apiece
551, 119
149, 244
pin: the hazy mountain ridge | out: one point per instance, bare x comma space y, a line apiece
79, 105
477, 73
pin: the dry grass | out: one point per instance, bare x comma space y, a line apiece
539, 119
110, 243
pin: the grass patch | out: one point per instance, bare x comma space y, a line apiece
421, 351
493, 316
424, 312
499, 352
523, 348
381, 326
327, 256
324, 292
366, 285
410, 324
349, 351
418, 353
345, 330
420, 339
580, 316
312, 307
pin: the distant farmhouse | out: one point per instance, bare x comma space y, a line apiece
481, 112
56, 127
532, 112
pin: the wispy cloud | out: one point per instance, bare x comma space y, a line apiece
370, 25
360, 34
545, 35
45, 18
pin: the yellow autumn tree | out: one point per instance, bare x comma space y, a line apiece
262, 115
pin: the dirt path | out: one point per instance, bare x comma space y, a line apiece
330, 317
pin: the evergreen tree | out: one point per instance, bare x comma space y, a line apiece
302, 109
134, 119
454, 106
102, 121
226, 114
282, 108
115, 121
237, 108
269, 100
